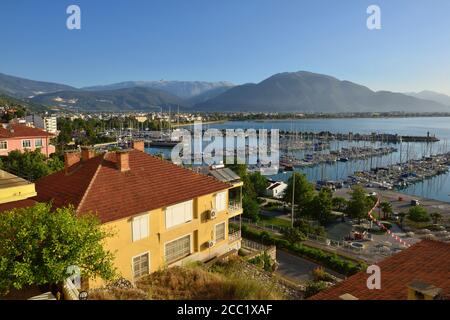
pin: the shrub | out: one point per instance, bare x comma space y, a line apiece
418, 214
313, 288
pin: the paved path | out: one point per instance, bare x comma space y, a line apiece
296, 268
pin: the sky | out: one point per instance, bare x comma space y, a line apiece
228, 40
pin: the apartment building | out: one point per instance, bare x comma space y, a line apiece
47, 123
20, 137
162, 214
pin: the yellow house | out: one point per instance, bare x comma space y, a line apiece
162, 214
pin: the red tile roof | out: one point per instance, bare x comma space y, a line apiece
427, 261
17, 204
22, 131
97, 186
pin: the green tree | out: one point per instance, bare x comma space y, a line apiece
31, 165
37, 245
418, 214
250, 208
436, 216
293, 235
386, 208
303, 193
339, 204
259, 183
359, 203
320, 206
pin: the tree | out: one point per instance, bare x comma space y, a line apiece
293, 235
418, 214
386, 208
339, 204
320, 206
259, 183
37, 245
250, 208
31, 165
304, 191
436, 216
359, 204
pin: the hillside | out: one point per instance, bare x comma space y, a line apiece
309, 92
182, 89
431, 95
24, 88
7, 102
130, 99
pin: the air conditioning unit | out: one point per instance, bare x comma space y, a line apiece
212, 214
211, 243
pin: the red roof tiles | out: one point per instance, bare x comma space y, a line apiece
427, 261
17, 204
22, 131
96, 185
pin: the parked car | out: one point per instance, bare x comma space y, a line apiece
415, 202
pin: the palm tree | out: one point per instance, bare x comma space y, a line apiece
436, 216
386, 208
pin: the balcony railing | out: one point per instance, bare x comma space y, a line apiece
234, 206
234, 235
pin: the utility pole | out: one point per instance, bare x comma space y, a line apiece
293, 198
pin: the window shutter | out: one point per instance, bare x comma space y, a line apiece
144, 226
136, 229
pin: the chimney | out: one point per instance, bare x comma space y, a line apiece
139, 145
123, 160
418, 290
70, 158
87, 153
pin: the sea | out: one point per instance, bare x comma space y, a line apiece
434, 188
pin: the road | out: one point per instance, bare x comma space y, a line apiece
297, 269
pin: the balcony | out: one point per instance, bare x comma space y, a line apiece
234, 207
234, 235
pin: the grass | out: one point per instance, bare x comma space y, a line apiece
194, 282
275, 221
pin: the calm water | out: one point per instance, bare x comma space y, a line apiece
435, 188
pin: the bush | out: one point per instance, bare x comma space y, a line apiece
313, 288
418, 214
319, 274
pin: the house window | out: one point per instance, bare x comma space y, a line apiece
178, 249
179, 214
140, 227
220, 231
3, 145
26, 143
221, 199
38, 143
141, 265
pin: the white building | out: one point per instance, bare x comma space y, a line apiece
47, 123
276, 189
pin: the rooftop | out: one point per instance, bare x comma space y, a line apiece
426, 262
21, 131
96, 185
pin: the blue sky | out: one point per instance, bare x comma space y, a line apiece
235, 40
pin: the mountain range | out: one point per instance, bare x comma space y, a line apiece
283, 92
431, 95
